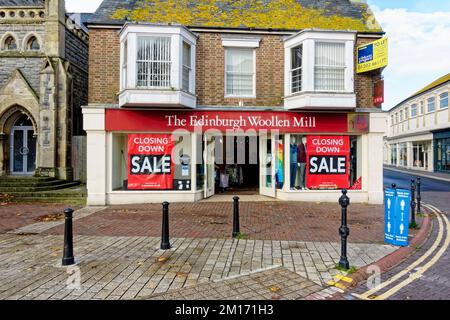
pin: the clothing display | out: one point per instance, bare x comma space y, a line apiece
302, 164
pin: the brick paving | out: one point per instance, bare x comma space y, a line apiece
273, 284
17, 215
288, 221
134, 267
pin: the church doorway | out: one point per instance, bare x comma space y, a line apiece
22, 147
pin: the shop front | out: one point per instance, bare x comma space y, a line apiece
185, 156
442, 151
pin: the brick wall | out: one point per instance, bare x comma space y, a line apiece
104, 77
211, 70
364, 82
104, 65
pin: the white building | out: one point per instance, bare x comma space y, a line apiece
418, 135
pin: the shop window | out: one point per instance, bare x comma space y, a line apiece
431, 104
394, 154
324, 162
153, 162
329, 68
443, 100
240, 73
442, 155
403, 155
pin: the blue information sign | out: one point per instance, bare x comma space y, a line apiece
397, 211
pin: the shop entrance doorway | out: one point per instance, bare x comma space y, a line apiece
232, 165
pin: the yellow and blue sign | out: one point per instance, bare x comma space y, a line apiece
372, 56
396, 213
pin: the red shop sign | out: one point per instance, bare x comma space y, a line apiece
284, 122
150, 165
328, 162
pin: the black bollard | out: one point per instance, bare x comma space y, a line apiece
413, 202
236, 227
68, 258
419, 196
344, 231
165, 244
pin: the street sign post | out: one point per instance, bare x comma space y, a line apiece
397, 212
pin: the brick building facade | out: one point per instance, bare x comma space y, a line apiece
145, 70
43, 84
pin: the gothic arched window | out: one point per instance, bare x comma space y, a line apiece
33, 44
10, 43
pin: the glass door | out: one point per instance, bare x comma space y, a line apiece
209, 160
267, 165
23, 151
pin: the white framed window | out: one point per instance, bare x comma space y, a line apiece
443, 100
125, 64
431, 104
296, 68
401, 115
406, 113
187, 67
240, 72
153, 62
329, 66
413, 110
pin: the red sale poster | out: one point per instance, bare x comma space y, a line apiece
150, 165
328, 162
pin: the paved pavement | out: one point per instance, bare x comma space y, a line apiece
431, 277
133, 267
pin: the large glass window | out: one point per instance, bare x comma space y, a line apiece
442, 154
443, 100
296, 69
420, 155
403, 155
329, 69
154, 62
240, 72
394, 154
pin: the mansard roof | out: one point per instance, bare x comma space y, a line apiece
248, 14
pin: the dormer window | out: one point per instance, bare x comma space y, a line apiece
320, 70
158, 66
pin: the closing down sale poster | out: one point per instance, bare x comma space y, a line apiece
328, 162
150, 165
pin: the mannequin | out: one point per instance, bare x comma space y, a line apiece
293, 161
301, 159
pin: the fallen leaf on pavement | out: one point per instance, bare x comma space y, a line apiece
275, 289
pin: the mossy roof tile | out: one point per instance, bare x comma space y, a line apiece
256, 14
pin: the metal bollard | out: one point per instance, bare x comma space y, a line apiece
413, 202
165, 244
68, 258
419, 196
344, 231
236, 226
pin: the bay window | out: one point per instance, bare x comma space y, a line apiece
153, 62
157, 66
329, 67
319, 70
240, 72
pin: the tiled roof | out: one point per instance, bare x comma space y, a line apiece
257, 14
21, 3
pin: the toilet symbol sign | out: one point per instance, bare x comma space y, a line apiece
396, 213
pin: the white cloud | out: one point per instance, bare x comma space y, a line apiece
418, 51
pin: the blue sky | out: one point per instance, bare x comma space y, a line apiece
419, 45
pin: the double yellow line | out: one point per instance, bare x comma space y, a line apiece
444, 224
